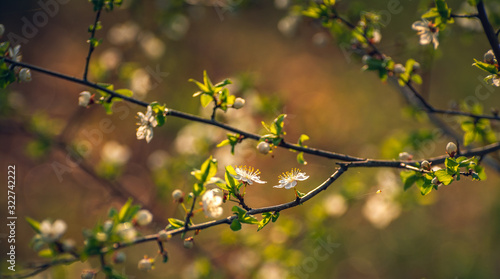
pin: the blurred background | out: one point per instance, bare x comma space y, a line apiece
74, 163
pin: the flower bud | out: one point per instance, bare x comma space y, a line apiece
405, 156
25, 75
189, 242
451, 149
145, 264
263, 147
425, 165
2, 30
399, 69
88, 274
178, 195
119, 257
239, 103
489, 57
163, 235
84, 99
435, 181
143, 217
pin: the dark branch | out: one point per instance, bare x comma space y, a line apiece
488, 30
91, 45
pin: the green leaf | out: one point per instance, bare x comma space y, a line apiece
223, 143
303, 138
175, 223
425, 186
452, 165
125, 92
444, 177
235, 225
266, 217
124, 210
409, 178
492, 69
35, 225
300, 158
198, 189
206, 99
46, 253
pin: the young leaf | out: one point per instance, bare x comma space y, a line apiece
409, 178
175, 223
235, 225
34, 224
444, 177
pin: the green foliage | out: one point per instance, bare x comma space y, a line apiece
275, 130
204, 175
441, 14
106, 235
266, 217
381, 65
409, 74
232, 139
34, 224
490, 68
477, 130
322, 11
231, 185
97, 27
7, 75
175, 223
300, 156
108, 5
107, 101
243, 217
454, 168
160, 112
214, 93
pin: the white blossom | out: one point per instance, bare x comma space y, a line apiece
15, 53
145, 264
25, 75
427, 31
115, 153
2, 30
51, 232
143, 217
84, 98
146, 124
126, 231
248, 175
212, 201
289, 179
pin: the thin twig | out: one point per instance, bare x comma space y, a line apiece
91, 45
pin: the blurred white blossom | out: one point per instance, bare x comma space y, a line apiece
51, 232
110, 58
123, 33
212, 201
335, 205
153, 47
115, 153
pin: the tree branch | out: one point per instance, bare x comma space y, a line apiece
91, 44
